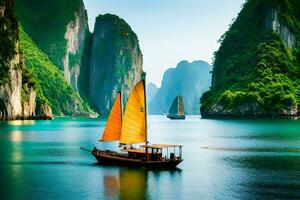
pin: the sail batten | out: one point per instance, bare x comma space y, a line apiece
113, 127
134, 120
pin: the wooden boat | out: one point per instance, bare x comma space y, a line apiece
176, 110
131, 129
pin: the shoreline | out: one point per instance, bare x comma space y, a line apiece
241, 117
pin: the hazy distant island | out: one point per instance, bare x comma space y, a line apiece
151, 91
257, 67
188, 80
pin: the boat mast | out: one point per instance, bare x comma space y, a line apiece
178, 106
121, 106
145, 102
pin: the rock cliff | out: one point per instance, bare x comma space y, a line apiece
95, 65
189, 80
274, 23
63, 37
17, 93
75, 36
51, 88
115, 63
256, 69
52, 39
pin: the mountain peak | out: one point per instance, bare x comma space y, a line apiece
189, 80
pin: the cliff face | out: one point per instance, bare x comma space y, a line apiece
51, 88
274, 23
29, 105
75, 36
94, 65
10, 93
10, 63
115, 63
52, 38
17, 94
256, 69
84, 76
189, 80
64, 37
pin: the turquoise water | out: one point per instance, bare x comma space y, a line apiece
224, 159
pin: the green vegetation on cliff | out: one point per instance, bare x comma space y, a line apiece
45, 22
122, 39
9, 48
50, 84
257, 67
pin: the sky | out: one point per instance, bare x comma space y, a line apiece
170, 31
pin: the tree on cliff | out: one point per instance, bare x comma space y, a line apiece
256, 69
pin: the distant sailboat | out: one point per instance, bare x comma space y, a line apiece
132, 129
176, 110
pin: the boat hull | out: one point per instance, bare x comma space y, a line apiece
179, 117
113, 158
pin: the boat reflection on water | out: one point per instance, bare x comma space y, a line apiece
133, 184
127, 184
130, 183
111, 186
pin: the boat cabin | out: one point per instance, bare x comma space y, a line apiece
156, 152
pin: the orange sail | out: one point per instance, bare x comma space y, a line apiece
112, 130
134, 127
